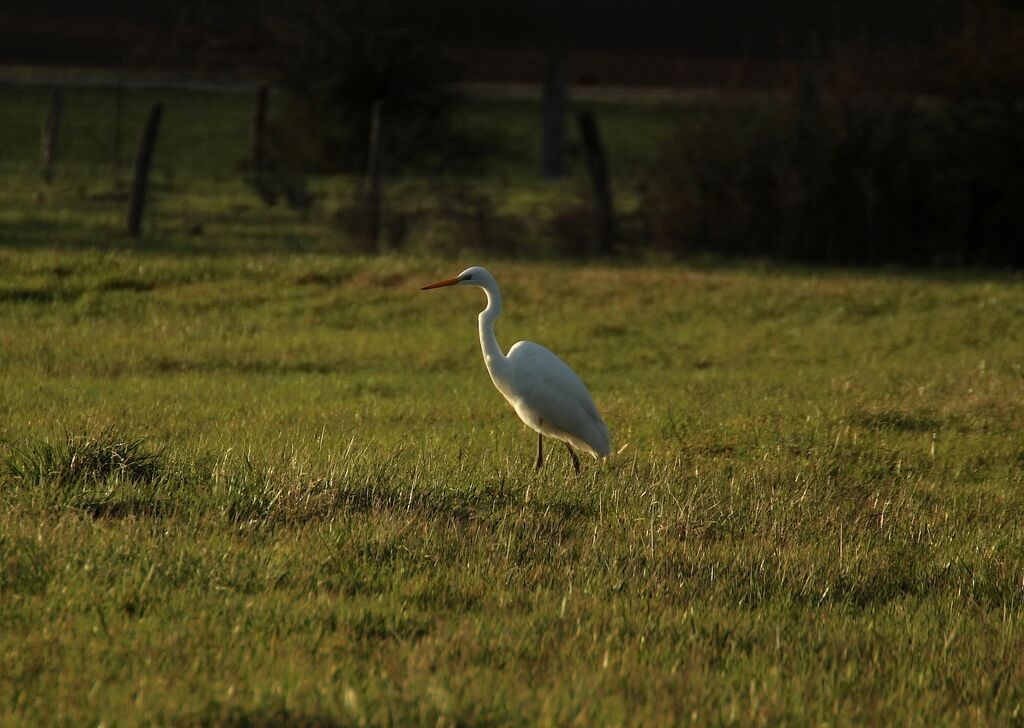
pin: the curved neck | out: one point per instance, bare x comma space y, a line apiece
494, 358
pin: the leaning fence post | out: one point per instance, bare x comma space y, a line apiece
146, 143
597, 165
118, 115
556, 95
373, 170
259, 123
51, 130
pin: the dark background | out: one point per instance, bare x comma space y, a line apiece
110, 32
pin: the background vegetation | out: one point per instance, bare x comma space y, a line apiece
898, 148
200, 200
245, 480
848, 183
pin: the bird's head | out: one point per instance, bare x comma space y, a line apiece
474, 276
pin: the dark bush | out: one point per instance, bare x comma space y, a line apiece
851, 183
847, 175
333, 60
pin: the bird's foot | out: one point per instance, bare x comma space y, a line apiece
575, 460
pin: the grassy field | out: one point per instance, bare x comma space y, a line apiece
332, 517
245, 480
199, 202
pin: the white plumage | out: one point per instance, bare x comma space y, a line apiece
546, 394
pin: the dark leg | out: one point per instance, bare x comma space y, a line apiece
575, 460
540, 451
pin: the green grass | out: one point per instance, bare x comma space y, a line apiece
245, 480
305, 503
198, 201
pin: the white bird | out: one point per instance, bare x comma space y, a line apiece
546, 394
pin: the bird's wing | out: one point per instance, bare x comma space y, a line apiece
553, 392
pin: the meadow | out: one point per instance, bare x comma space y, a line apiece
250, 478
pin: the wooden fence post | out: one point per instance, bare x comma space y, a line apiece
373, 170
118, 115
51, 131
145, 155
597, 165
259, 123
556, 96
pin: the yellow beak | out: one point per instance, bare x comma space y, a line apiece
441, 284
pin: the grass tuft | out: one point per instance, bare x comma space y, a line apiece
85, 459
105, 474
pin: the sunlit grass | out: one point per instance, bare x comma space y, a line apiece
199, 201
248, 480
334, 518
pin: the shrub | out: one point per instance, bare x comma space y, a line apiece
852, 177
334, 60
852, 183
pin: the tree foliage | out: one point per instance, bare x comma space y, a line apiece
333, 60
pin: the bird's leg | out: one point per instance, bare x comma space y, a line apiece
540, 451
575, 460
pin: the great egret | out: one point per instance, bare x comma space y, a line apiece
546, 394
